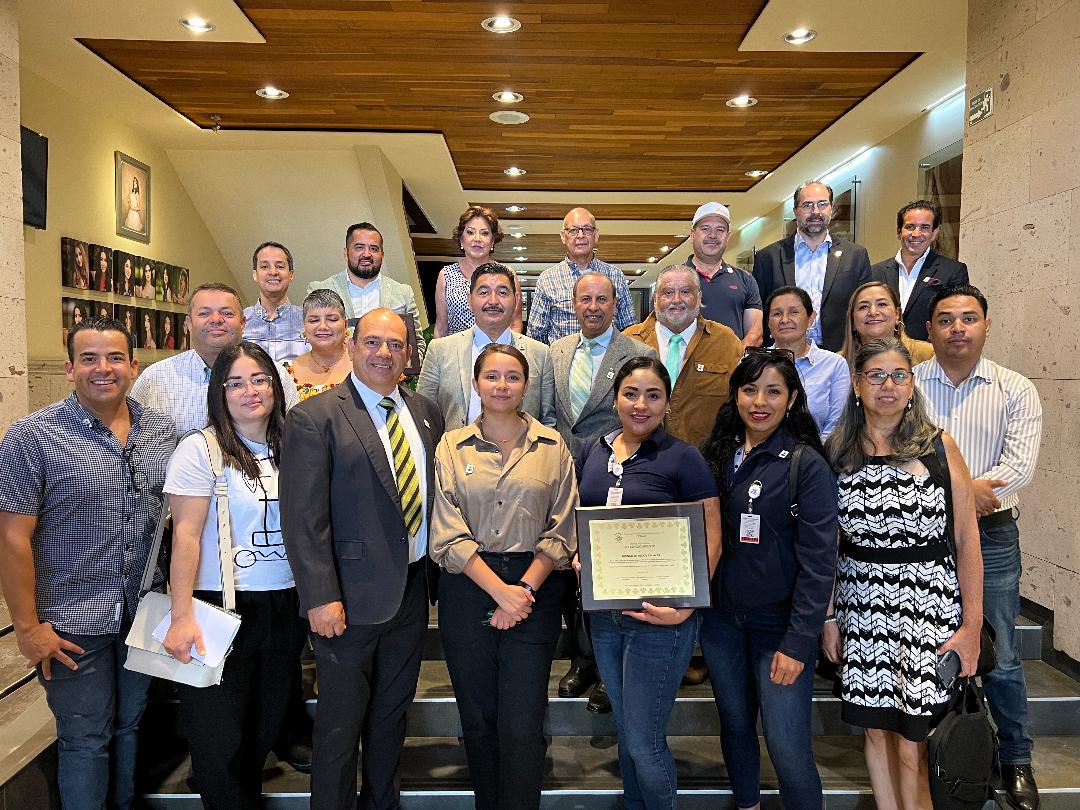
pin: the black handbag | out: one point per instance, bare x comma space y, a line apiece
962, 752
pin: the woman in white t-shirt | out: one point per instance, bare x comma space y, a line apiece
232, 727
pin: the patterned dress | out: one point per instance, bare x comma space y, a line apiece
458, 315
897, 597
306, 389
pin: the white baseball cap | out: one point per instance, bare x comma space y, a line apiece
711, 209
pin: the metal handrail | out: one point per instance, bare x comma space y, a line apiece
17, 685
7, 628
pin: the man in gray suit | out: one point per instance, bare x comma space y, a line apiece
447, 373
362, 286
357, 482
585, 364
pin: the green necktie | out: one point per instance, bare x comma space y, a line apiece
404, 468
581, 378
672, 362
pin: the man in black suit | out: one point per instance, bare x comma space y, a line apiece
357, 478
916, 271
829, 269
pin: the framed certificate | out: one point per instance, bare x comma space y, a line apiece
655, 553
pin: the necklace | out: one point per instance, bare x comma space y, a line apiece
325, 368
515, 437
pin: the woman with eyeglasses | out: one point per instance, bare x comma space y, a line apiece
232, 727
476, 233
824, 374
772, 587
873, 313
902, 598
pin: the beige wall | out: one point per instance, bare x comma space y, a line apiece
890, 175
82, 138
1020, 235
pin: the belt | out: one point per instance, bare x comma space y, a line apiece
996, 519
911, 554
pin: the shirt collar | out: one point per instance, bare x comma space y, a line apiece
260, 310
135, 410
592, 267
724, 268
984, 370
686, 333
915, 268
603, 339
372, 285
801, 240
480, 340
373, 398
471, 432
776, 444
658, 437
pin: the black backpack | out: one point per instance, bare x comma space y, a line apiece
962, 752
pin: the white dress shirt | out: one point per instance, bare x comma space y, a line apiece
907, 279
663, 338
481, 341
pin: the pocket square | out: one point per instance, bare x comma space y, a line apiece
838, 253
931, 281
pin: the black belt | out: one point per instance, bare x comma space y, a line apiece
996, 519
911, 554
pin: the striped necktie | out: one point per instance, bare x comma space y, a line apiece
581, 377
404, 468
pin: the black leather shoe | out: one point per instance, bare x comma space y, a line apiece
1018, 782
297, 752
576, 681
696, 672
599, 702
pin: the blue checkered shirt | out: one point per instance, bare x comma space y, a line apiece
96, 515
281, 337
552, 314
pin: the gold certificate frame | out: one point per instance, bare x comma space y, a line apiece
654, 553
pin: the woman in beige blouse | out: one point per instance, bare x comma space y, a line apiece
873, 313
327, 364
503, 519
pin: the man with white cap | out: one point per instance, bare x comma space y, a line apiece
729, 295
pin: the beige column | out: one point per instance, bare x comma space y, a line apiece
13, 385
1020, 236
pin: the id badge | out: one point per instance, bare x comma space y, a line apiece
614, 496
750, 528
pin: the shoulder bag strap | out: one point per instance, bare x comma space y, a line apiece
155, 548
221, 490
946, 484
793, 478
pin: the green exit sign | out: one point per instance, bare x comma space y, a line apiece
980, 107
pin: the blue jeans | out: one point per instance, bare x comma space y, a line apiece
97, 707
738, 647
1006, 690
642, 666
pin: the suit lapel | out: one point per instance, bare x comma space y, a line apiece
562, 356
690, 348
892, 274
787, 260
832, 269
611, 362
928, 270
465, 365
356, 414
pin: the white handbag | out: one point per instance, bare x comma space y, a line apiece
145, 653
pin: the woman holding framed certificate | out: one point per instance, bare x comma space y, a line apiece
775, 577
642, 654
502, 521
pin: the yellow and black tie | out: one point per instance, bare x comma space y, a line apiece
404, 468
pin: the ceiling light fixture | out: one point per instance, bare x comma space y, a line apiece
509, 117
741, 101
508, 97
513, 209
517, 235
500, 25
271, 92
756, 173
799, 36
521, 258
514, 171
680, 235
945, 98
519, 248
197, 25
842, 164
664, 248
652, 259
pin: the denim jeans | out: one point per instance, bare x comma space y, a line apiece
738, 646
1006, 690
97, 708
642, 666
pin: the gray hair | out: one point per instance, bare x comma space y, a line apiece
678, 268
323, 299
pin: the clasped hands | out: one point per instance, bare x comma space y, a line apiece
514, 606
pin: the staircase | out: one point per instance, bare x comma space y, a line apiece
582, 767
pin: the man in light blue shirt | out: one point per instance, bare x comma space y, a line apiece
273, 321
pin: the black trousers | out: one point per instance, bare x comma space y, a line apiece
232, 727
500, 680
367, 679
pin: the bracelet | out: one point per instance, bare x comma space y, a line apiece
830, 618
523, 584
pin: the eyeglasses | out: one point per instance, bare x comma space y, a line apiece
260, 382
899, 377
580, 230
133, 460
770, 351
810, 205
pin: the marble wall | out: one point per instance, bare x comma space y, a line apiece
1020, 237
13, 387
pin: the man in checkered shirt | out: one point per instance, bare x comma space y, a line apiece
80, 496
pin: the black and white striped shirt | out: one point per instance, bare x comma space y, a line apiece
994, 416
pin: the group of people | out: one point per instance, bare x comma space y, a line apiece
839, 517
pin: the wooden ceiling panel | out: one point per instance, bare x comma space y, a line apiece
547, 247
603, 212
623, 95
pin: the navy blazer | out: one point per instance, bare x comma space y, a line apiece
937, 271
847, 266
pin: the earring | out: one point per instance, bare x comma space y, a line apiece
910, 404
858, 402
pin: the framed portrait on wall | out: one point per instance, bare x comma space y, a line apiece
73, 312
74, 263
132, 198
128, 316
125, 274
101, 268
166, 330
146, 320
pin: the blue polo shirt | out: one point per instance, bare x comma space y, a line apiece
663, 470
727, 295
794, 563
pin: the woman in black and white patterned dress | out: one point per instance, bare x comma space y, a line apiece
901, 597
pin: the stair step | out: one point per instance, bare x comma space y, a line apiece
583, 773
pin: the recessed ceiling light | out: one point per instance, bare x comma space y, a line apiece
681, 235
742, 101
271, 93
518, 234
197, 25
799, 36
513, 209
519, 248
509, 117
508, 97
514, 171
500, 25
652, 258
521, 258
664, 248
756, 173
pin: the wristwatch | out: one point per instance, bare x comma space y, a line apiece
523, 584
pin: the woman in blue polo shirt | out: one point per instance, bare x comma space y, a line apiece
775, 577
646, 466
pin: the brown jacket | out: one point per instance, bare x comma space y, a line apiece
702, 387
